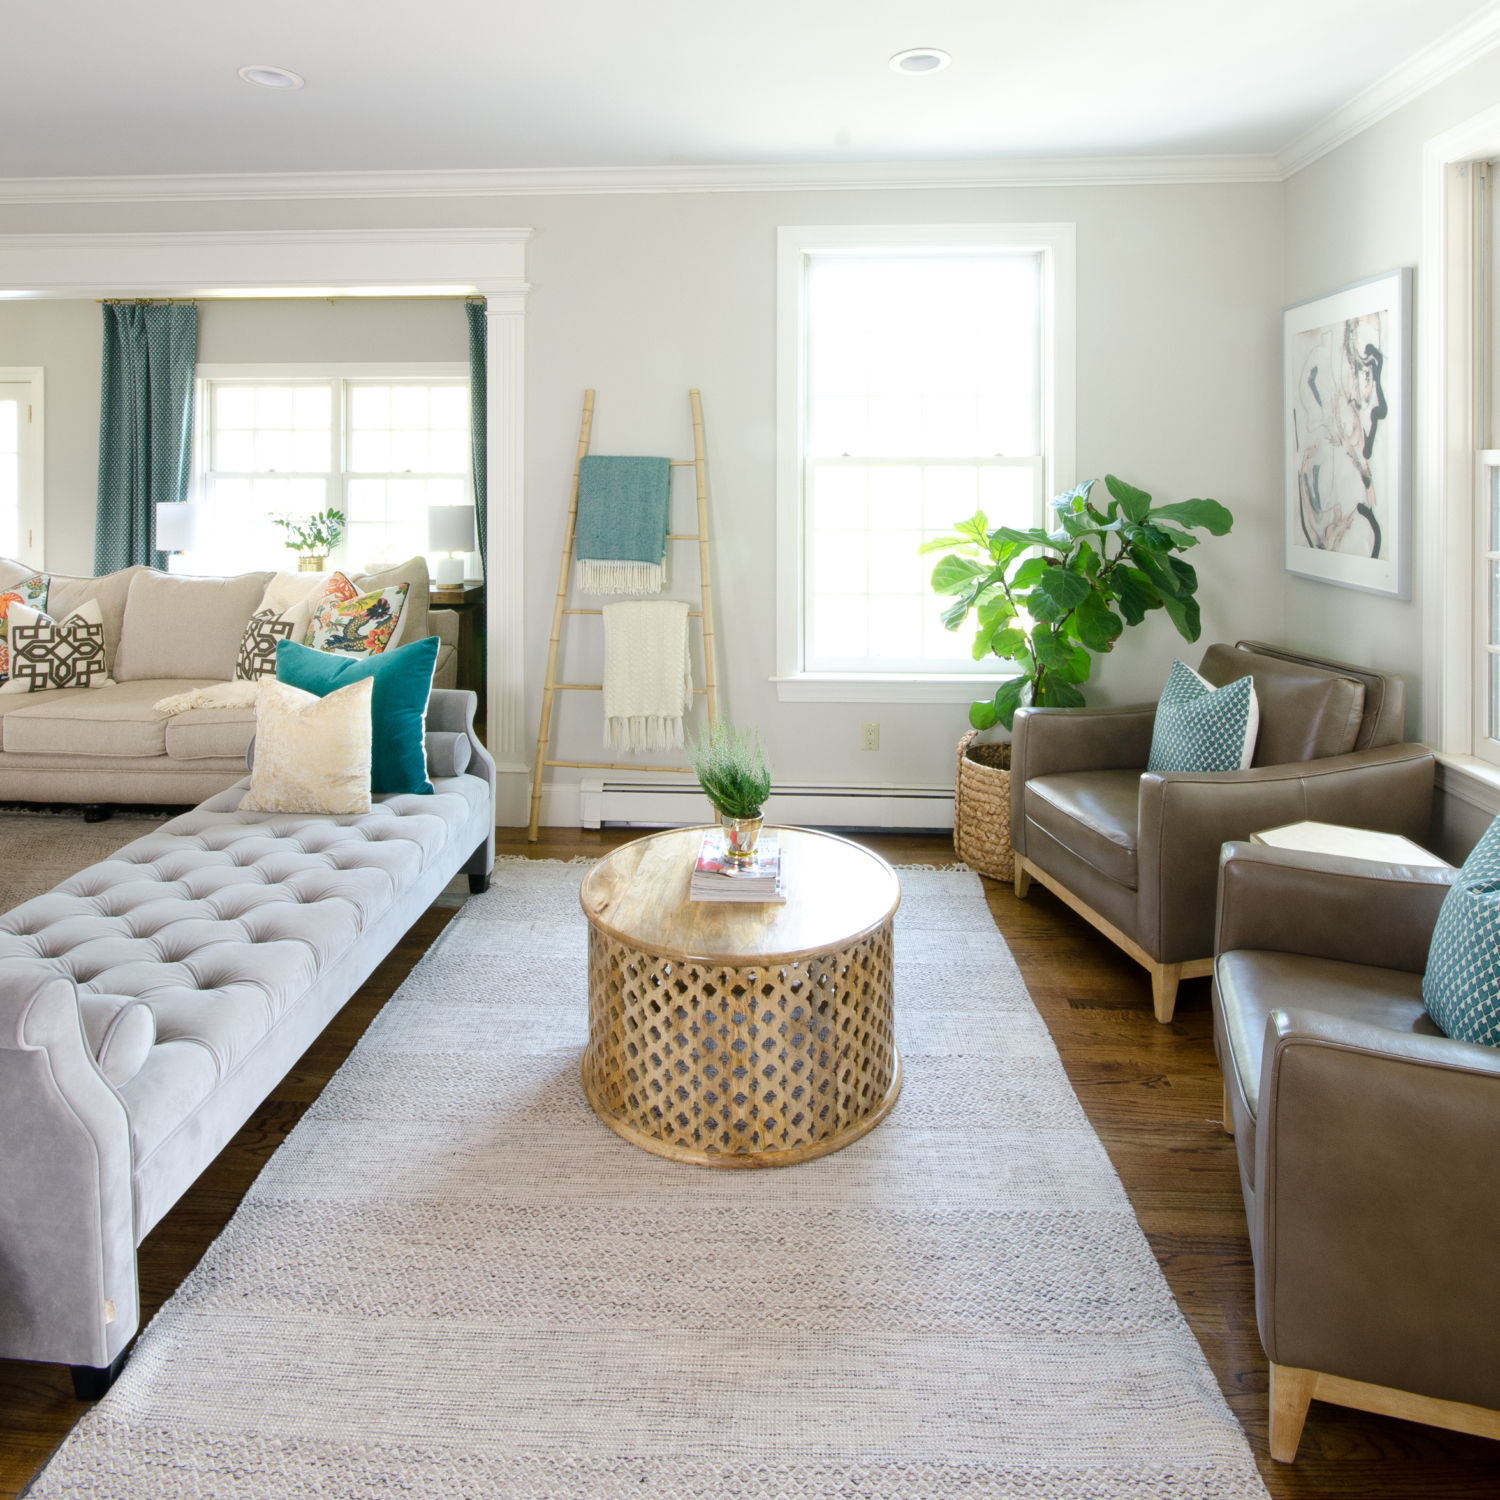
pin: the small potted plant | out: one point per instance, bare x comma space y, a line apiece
732, 770
313, 537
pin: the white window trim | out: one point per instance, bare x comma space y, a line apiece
1056, 244
33, 464
387, 370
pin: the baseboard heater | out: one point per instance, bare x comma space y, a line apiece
602, 801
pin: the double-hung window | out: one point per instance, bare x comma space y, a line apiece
925, 372
380, 446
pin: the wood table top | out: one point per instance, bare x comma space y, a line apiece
836, 893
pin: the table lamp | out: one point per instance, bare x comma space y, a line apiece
179, 525
450, 529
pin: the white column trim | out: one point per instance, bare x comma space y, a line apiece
1444, 493
505, 561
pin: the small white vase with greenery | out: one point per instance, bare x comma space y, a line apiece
732, 769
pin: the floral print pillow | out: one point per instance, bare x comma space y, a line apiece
338, 590
33, 594
362, 626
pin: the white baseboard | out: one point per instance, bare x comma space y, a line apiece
594, 800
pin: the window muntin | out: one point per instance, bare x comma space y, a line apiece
923, 403
381, 451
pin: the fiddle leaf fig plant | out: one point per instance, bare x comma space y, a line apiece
1046, 599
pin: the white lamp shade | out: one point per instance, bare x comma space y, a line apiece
450, 528
179, 527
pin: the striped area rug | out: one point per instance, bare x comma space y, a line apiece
453, 1281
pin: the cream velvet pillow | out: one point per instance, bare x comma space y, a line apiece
312, 755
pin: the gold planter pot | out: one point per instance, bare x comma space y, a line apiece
740, 835
312, 564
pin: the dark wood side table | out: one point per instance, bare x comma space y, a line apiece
466, 600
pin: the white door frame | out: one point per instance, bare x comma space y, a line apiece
33, 464
323, 263
1447, 440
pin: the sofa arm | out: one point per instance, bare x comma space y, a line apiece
1048, 741
67, 1220
451, 711
1355, 911
443, 623
1376, 1214
1186, 817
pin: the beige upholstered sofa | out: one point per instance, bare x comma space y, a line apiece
163, 634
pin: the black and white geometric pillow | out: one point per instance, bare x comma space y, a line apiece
51, 655
258, 647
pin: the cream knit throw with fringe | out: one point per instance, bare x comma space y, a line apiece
648, 674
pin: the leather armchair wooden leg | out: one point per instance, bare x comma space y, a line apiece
1023, 879
1292, 1390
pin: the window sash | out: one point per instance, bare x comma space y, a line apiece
918, 607
338, 476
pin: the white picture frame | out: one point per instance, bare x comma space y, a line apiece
1346, 405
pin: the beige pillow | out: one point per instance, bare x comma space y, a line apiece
176, 626
63, 654
312, 755
292, 596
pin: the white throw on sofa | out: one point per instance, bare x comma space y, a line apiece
163, 635
149, 1003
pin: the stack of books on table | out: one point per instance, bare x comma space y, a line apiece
718, 878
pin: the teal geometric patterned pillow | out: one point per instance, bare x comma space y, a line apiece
1461, 988
1203, 728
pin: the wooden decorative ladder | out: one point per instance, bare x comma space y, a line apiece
699, 464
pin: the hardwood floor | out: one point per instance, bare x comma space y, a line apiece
1152, 1092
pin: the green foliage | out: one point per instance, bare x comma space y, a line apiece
317, 534
1048, 610
732, 770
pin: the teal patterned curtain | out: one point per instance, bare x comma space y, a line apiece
145, 426
478, 350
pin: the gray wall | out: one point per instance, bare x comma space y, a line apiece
66, 340
1352, 214
642, 296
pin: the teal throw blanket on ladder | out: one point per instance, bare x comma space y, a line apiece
621, 530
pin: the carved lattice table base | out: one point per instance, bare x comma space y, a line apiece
734, 1059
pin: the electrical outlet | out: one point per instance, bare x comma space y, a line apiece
869, 736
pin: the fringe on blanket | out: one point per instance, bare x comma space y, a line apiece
643, 732
605, 577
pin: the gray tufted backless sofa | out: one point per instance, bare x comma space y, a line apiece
149, 1003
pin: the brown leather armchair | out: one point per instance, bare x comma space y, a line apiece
1367, 1143
1137, 853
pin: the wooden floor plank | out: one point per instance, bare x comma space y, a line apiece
1152, 1092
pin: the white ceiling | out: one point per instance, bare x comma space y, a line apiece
95, 87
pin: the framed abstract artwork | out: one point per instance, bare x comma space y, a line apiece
1347, 409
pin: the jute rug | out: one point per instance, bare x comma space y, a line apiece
453, 1281
39, 849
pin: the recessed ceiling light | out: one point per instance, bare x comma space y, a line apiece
264, 76
920, 60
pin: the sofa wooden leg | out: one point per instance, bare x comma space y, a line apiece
1164, 982
1228, 1114
1291, 1393
1023, 880
479, 883
98, 812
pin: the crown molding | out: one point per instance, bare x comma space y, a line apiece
745, 178
1451, 52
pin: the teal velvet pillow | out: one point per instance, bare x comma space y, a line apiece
398, 708
1461, 988
1203, 728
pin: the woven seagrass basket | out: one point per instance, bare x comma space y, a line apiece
981, 808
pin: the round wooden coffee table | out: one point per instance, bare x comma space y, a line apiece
741, 1035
